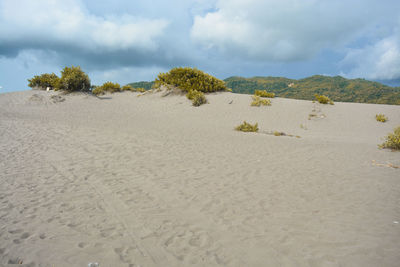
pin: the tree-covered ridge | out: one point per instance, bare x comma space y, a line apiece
142, 84
337, 88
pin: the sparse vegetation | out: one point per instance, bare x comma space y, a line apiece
258, 101
264, 93
392, 140
44, 80
323, 99
247, 127
188, 79
198, 98
107, 87
381, 117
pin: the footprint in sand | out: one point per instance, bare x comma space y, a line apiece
82, 244
25, 235
16, 231
125, 254
188, 243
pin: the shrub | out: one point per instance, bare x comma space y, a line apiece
258, 101
107, 87
323, 99
132, 89
44, 80
74, 79
247, 127
264, 93
127, 88
197, 98
392, 140
140, 90
381, 117
188, 79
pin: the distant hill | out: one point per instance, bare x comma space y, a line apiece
337, 88
145, 85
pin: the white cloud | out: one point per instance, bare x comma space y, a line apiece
67, 23
283, 30
125, 75
378, 61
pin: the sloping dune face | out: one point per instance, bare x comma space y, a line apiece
146, 180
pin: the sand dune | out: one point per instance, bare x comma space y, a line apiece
129, 180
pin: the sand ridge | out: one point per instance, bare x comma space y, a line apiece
129, 180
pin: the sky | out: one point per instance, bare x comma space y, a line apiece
133, 40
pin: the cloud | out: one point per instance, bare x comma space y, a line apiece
69, 29
283, 30
379, 61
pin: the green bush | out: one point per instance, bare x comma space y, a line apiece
247, 127
127, 88
258, 101
264, 93
188, 79
107, 87
132, 89
44, 80
381, 117
140, 90
198, 98
392, 140
74, 79
323, 99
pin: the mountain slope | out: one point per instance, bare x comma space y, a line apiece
337, 88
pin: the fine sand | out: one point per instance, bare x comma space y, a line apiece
145, 180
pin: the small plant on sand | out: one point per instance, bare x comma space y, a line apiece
264, 93
107, 87
198, 98
247, 127
258, 101
43, 81
276, 133
188, 79
323, 99
381, 117
392, 140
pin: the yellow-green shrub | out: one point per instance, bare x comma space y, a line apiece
381, 117
258, 101
74, 79
44, 80
197, 97
264, 93
323, 99
127, 88
107, 87
188, 79
132, 89
392, 140
247, 127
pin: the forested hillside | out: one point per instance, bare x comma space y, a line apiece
336, 88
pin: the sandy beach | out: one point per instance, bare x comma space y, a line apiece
144, 180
